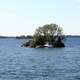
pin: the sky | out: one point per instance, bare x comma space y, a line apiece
22, 17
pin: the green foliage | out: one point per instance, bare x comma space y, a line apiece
46, 33
49, 29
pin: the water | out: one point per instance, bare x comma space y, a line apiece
19, 63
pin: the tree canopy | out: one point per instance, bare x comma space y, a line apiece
49, 29
47, 33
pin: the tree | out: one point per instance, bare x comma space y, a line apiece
48, 33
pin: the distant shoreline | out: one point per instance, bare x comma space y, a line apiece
72, 35
4, 37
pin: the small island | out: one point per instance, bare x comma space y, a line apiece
49, 35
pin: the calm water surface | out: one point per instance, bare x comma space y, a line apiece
19, 63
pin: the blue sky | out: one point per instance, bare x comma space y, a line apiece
22, 17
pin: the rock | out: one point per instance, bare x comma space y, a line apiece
59, 43
27, 44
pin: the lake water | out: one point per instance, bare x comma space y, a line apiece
19, 63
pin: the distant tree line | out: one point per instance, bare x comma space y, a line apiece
24, 37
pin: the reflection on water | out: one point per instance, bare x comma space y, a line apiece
18, 63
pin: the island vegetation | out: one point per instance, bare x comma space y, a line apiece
49, 35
